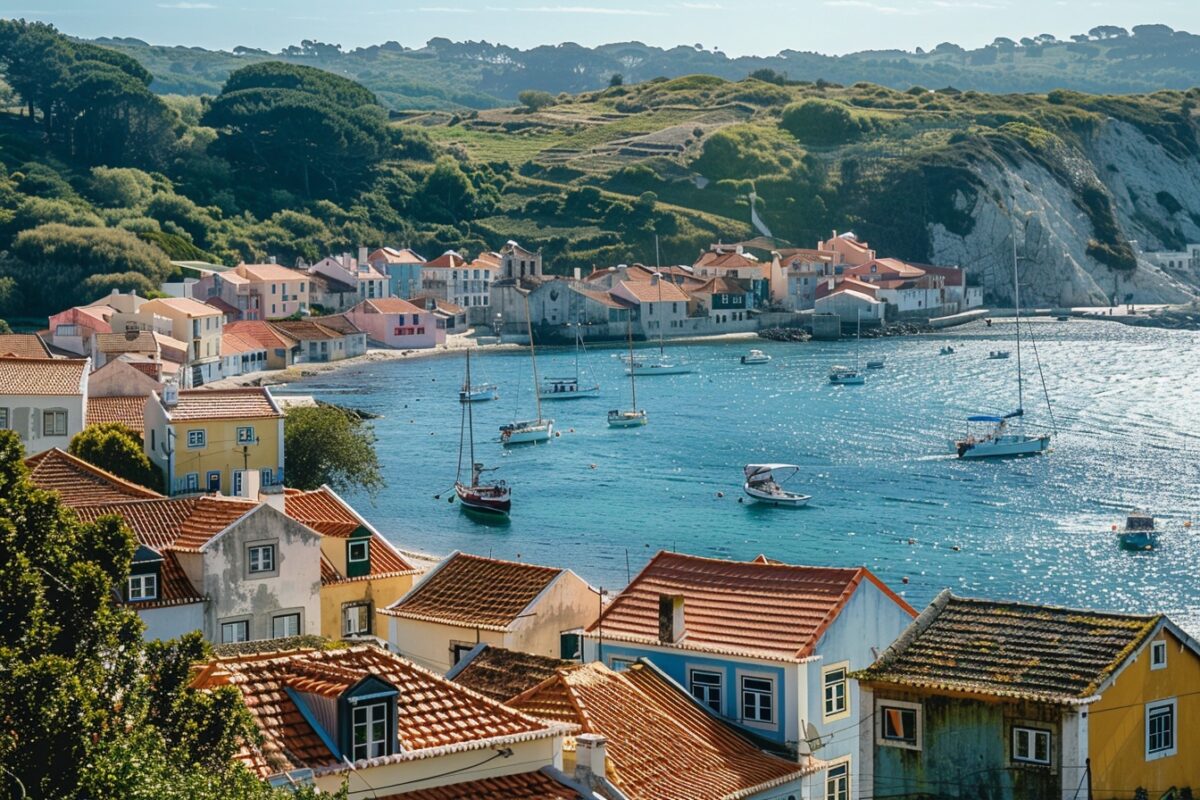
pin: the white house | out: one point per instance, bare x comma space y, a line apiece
662, 307
369, 283
44, 400
851, 305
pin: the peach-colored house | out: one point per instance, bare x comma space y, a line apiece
258, 291
849, 248
397, 323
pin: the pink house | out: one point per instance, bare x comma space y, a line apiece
397, 323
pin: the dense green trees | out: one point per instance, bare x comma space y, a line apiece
822, 123
115, 448
326, 444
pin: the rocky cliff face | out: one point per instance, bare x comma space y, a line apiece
1155, 198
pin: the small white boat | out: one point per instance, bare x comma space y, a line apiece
764, 484
526, 432
875, 364
946, 351
756, 357
655, 365
627, 419
1000, 442
1138, 533
478, 393
567, 389
997, 355
845, 376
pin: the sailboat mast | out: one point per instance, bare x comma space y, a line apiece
658, 271
470, 416
1017, 301
632, 377
537, 386
857, 339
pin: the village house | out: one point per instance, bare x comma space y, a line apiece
241, 355
327, 295
117, 392
435, 274
644, 737
385, 728
397, 323
851, 300
281, 350
768, 646
203, 439
324, 339
402, 268
451, 317
71, 330
847, 249
467, 600
368, 282
45, 400
723, 300
198, 326
733, 261
661, 306
361, 572
516, 262
983, 698
258, 291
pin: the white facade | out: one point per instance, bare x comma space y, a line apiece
851, 306
369, 282
43, 420
170, 622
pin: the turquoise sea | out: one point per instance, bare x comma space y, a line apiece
887, 493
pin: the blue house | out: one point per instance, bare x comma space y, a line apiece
769, 646
402, 268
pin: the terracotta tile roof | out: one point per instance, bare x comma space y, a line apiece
270, 272
79, 483
390, 305
862, 297
261, 332
174, 588
663, 291
434, 716
886, 266
487, 260
993, 647
386, 562
42, 376
339, 323
126, 409
475, 591
246, 403
306, 330
661, 742
328, 285
224, 306
524, 786
503, 674
323, 511
720, 285
236, 344
186, 524
840, 284
728, 259
750, 608
185, 305
447, 260
604, 298
126, 342
445, 306
953, 275
23, 345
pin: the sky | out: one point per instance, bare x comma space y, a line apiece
736, 27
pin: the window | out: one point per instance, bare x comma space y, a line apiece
245, 435
142, 587
265, 472
706, 687
4, 419
1160, 729
262, 558
459, 650
213, 479
899, 724
1030, 745
370, 731
191, 481
757, 699
196, 438
238, 631
359, 551
835, 682
1158, 655
618, 664
54, 423
356, 619
837, 782
285, 625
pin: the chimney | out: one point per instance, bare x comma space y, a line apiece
170, 395
271, 259
362, 259
578, 274
670, 618
346, 262
272, 496
591, 759
250, 483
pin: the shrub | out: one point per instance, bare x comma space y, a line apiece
535, 100
821, 122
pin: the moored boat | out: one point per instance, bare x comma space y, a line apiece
764, 484
875, 364
573, 388
845, 376
661, 364
998, 355
946, 351
534, 430
633, 416
479, 393
1138, 533
478, 495
756, 357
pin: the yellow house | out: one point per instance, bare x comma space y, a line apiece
203, 439
197, 324
361, 572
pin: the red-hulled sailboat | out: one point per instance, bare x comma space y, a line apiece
478, 495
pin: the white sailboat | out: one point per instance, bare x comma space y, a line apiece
534, 430
845, 376
634, 416
477, 392
1001, 440
764, 484
662, 364
478, 495
571, 388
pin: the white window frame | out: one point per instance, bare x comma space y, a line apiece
3, 418
881, 705
55, 415
366, 551
707, 688
351, 613
1032, 734
372, 714
245, 435
826, 672
290, 615
772, 695
1163, 752
620, 663
147, 587
832, 790
233, 625
255, 552
197, 439
1158, 654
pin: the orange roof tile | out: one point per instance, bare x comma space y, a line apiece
662, 291
434, 716
386, 562
224, 306
661, 742
246, 403
750, 608
129, 410
186, 524
23, 345
79, 483
306, 330
475, 591
391, 255
261, 332
390, 305
728, 259
503, 674
720, 285
126, 342
447, 260
322, 510
269, 272
236, 344
42, 376
524, 786
185, 305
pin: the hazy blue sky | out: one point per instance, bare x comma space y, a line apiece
737, 27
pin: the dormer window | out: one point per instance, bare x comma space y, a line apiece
358, 554
142, 587
370, 731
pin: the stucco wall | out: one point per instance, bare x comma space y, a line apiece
235, 594
428, 643
171, 621
380, 592
25, 417
569, 603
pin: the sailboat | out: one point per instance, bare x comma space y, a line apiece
634, 416
478, 495
569, 388
845, 376
534, 430
1000, 441
662, 364
477, 392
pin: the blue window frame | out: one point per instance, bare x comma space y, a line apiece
214, 481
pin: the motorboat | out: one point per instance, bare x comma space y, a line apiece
756, 357
526, 431
478, 495
999, 441
1138, 533
946, 351
661, 364
627, 419
875, 364
764, 484
573, 388
478, 393
997, 355
845, 376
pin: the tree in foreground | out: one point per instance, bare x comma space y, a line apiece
117, 448
326, 444
88, 711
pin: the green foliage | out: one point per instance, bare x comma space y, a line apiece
823, 123
740, 151
116, 448
329, 445
116, 187
535, 100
